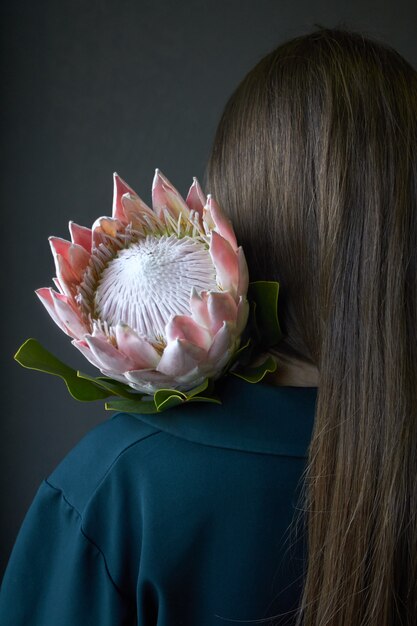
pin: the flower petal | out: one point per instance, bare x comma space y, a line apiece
242, 315
81, 235
220, 352
61, 311
195, 198
142, 353
75, 255
110, 374
62, 266
108, 356
45, 296
198, 306
146, 375
243, 282
207, 218
120, 187
225, 261
67, 278
69, 315
58, 285
85, 351
221, 306
223, 224
135, 210
179, 357
106, 227
164, 194
191, 379
184, 327
222, 344
147, 381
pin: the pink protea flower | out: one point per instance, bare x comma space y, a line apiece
155, 298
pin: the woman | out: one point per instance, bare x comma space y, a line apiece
185, 519
315, 159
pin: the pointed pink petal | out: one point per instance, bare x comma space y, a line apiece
67, 278
119, 188
63, 268
195, 198
223, 224
105, 227
242, 315
68, 315
225, 261
135, 208
76, 256
221, 306
45, 296
85, 351
110, 374
108, 356
156, 380
164, 194
61, 311
142, 353
179, 357
58, 285
191, 379
208, 219
143, 376
198, 306
81, 235
243, 273
184, 327
222, 343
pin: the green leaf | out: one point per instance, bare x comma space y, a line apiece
243, 348
198, 389
33, 355
242, 354
264, 294
253, 321
161, 396
169, 402
255, 374
130, 406
116, 387
205, 399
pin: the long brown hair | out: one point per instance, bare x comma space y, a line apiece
315, 162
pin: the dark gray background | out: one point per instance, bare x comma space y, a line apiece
95, 87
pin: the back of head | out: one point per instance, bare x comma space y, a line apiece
315, 162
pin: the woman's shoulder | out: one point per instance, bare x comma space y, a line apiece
252, 423
87, 464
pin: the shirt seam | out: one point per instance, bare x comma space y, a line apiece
88, 539
79, 513
115, 460
106, 472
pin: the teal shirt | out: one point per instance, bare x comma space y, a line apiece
177, 518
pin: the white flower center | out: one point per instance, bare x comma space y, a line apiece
151, 280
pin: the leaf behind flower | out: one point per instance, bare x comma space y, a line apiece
33, 355
264, 295
256, 373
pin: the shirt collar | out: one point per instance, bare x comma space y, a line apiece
255, 417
